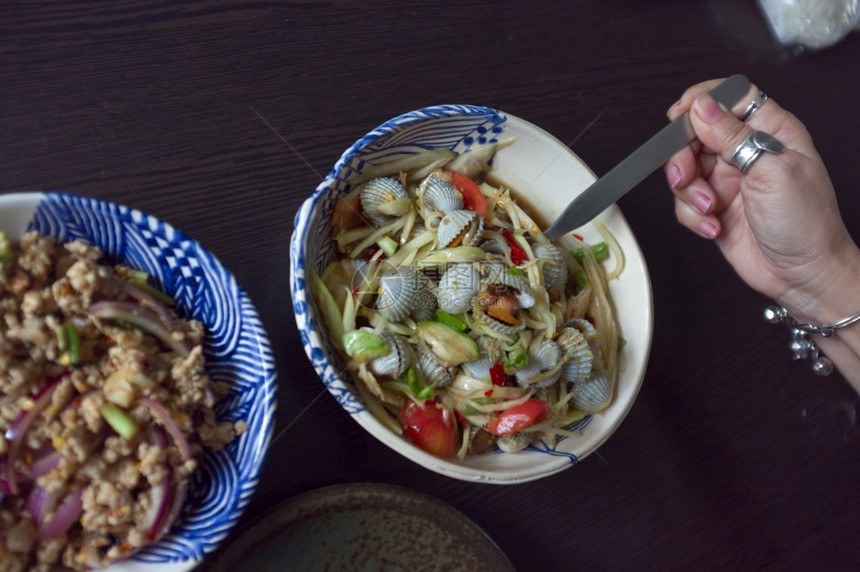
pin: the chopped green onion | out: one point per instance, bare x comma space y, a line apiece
451, 320
600, 250
412, 378
72, 343
141, 279
517, 359
119, 420
516, 271
580, 279
388, 245
469, 411
621, 343
363, 346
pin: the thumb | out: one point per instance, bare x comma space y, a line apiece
717, 128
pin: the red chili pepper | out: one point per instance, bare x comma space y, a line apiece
497, 375
488, 393
591, 320
518, 255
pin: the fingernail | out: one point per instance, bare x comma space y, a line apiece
708, 230
702, 202
673, 173
707, 108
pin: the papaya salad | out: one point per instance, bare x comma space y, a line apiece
105, 407
465, 328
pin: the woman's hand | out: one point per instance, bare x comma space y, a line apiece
779, 225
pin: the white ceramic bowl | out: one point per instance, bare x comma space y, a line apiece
547, 176
236, 348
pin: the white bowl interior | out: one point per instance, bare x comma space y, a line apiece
545, 176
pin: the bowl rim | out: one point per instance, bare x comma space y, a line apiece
330, 375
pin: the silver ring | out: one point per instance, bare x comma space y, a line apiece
748, 151
754, 105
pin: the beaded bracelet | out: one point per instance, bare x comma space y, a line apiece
801, 345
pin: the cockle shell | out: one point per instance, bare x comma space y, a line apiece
440, 195
493, 243
587, 328
395, 362
576, 353
491, 353
457, 287
424, 303
494, 324
554, 269
398, 292
513, 443
435, 372
593, 394
497, 277
465, 225
546, 357
377, 193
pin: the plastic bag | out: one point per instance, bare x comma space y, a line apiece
813, 24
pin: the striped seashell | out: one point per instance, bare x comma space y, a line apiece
491, 353
495, 325
587, 328
479, 369
378, 196
398, 292
459, 228
435, 373
457, 287
497, 275
494, 243
513, 443
440, 195
544, 358
593, 394
395, 362
554, 269
424, 303
576, 353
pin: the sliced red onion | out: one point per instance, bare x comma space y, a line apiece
162, 499
40, 501
161, 414
158, 436
67, 514
15, 433
148, 300
45, 464
139, 316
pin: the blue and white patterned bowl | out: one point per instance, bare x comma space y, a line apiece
237, 352
546, 176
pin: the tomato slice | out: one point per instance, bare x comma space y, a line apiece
427, 426
473, 198
519, 417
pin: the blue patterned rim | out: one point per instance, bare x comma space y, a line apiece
237, 352
456, 127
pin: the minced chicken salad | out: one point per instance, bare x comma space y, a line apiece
105, 407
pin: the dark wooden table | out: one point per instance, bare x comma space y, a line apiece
221, 117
